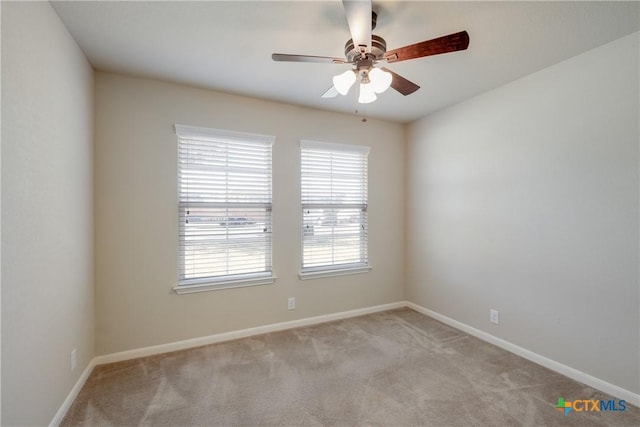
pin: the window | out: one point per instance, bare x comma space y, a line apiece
224, 193
334, 209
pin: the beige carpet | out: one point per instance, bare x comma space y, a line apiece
396, 368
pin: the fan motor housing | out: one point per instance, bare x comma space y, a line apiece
378, 48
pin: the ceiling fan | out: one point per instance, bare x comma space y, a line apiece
366, 50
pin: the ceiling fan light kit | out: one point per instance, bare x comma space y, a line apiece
364, 50
372, 81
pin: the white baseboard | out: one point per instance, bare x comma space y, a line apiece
243, 333
565, 370
57, 418
211, 339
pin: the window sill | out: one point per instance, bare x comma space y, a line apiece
317, 274
211, 285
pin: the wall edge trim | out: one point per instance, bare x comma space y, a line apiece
567, 371
75, 390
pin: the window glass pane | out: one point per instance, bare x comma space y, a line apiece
224, 241
333, 236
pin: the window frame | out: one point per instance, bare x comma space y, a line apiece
335, 269
209, 283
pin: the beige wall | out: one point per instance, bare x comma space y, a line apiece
525, 200
47, 226
136, 214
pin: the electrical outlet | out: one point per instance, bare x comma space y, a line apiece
494, 316
73, 360
291, 303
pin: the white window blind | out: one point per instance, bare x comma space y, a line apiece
334, 206
224, 186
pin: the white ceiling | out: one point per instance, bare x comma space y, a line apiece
227, 46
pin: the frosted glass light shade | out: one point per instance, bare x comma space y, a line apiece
343, 82
380, 79
367, 93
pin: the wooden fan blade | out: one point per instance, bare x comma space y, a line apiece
332, 92
359, 19
401, 84
285, 57
444, 44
